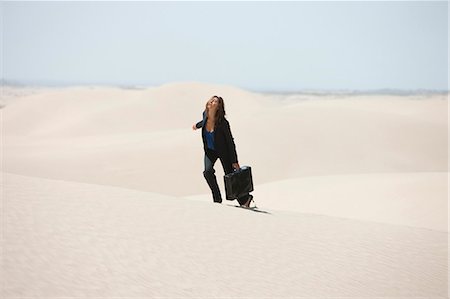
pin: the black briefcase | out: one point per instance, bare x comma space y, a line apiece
238, 183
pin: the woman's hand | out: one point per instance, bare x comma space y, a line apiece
194, 127
236, 166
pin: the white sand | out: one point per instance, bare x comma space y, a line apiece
355, 190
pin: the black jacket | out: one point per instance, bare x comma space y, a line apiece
223, 139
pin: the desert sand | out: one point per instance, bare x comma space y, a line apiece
103, 195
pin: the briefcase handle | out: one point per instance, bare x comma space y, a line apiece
240, 169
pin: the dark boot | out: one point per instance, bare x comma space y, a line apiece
245, 200
212, 183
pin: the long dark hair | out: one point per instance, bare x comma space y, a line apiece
220, 114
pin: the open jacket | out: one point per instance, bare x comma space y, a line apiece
223, 139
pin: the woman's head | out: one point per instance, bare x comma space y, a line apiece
216, 104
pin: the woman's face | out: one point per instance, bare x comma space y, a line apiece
213, 103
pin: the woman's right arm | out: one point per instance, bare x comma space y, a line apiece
197, 125
200, 123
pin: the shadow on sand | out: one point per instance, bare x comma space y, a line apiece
252, 209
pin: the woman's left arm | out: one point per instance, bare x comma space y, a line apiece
230, 143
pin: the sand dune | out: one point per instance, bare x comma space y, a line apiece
81, 240
394, 198
306, 138
105, 185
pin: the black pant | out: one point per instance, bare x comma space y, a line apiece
210, 159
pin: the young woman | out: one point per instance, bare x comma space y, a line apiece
218, 143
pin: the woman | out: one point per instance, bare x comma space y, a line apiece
218, 143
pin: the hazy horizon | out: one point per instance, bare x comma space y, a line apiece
258, 46
324, 91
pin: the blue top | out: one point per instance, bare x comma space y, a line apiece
210, 139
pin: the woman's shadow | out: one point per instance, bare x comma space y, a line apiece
252, 209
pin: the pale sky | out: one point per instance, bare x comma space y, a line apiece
262, 46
